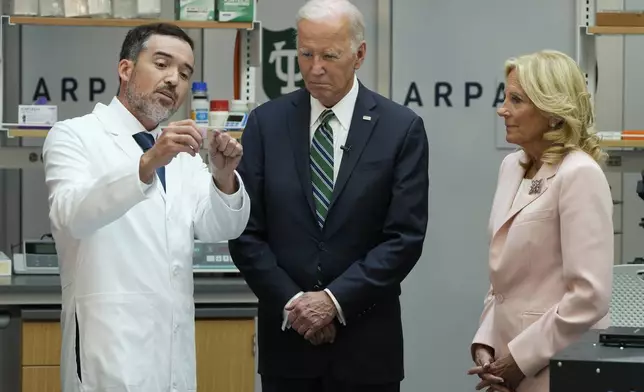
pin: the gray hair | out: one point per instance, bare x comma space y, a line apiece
316, 10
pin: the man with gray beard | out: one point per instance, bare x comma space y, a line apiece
127, 198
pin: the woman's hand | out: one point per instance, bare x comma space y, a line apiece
507, 369
484, 359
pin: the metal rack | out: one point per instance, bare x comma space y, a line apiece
600, 52
603, 48
31, 157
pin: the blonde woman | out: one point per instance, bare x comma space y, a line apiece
551, 247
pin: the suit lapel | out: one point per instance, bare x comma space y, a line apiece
362, 123
299, 133
538, 185
508, 188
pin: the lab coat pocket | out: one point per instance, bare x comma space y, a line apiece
529, 318
118, 341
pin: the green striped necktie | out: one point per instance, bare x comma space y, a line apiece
322, 166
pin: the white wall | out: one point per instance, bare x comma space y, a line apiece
458, 41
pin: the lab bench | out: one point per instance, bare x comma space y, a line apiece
30, 335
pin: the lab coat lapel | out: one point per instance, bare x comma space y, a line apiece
538, 185
117, 129
299, 133
122, 136
172, 180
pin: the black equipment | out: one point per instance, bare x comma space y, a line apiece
610, 360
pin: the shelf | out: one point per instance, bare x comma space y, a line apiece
42, 133
623, 143
615, 30
102, 22
27, 132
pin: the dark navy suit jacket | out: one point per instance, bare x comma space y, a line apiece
372, 238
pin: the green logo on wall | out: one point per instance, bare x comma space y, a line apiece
280, 71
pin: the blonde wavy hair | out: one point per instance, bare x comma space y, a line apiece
556, 85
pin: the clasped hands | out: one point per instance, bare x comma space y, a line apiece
311, 315
502, 374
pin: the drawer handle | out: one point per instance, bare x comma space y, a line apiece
5, 319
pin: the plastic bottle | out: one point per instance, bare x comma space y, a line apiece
218, 113
200, 105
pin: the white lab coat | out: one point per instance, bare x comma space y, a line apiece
125, 253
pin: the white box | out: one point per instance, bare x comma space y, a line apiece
99, 8
75, 8
37, 114
25, 7
51, 8
149, 8
126, 9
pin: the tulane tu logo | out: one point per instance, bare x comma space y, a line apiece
280, 71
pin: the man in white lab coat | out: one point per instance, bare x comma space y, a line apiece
126, 201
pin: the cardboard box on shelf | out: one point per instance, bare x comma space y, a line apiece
620, 18
235, 10
199, 10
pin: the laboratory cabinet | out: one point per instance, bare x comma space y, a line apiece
30, 334
225, 354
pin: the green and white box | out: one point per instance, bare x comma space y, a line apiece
235, 10
200, 10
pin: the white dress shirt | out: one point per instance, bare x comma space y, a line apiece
339, 123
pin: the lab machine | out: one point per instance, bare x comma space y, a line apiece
39, 257
212, 258
236, 121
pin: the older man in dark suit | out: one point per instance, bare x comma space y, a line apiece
338, 181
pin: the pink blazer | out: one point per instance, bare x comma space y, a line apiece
550, 262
